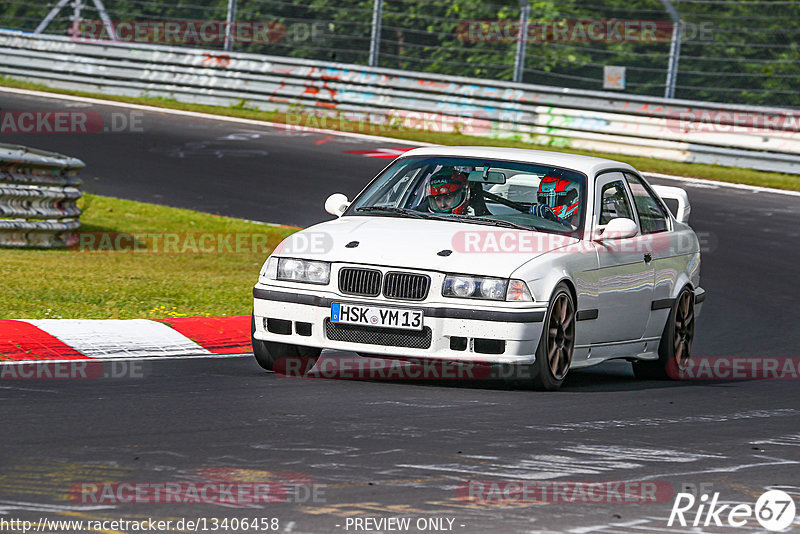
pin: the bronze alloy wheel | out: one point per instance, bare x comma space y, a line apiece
556, 344
675, 347
684, 329
560, 341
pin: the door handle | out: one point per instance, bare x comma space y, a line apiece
648, 258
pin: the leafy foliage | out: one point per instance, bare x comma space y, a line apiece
743, 51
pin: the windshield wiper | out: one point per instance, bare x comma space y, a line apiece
501, 222
391, 209
412, 213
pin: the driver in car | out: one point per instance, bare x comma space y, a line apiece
557, 200
448, 192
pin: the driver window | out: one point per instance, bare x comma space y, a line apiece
650, 213
614, 202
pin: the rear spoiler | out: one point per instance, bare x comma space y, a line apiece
678, 194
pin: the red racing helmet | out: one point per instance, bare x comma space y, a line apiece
560, 195
448, 192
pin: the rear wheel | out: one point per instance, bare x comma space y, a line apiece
556, 344
675, 348
274, 356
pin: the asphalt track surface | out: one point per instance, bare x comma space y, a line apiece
401, 449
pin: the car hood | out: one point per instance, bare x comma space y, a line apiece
421, 244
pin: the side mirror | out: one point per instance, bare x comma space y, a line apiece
619, 228
337, 204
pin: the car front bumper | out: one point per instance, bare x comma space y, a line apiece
483, 333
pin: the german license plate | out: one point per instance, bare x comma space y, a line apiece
376, 316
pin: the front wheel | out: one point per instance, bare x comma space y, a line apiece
675, 348
556, 344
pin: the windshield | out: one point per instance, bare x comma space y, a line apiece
478, 191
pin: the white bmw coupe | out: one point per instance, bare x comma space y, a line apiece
538, 260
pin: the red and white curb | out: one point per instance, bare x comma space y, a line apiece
77, 339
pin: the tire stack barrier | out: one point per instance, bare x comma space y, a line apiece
38, 198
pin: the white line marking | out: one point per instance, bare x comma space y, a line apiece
651, 528
617, 452
702, 182
790, 440
659, 421
726, 469
375, 138
6, 506
583, 530
30, 389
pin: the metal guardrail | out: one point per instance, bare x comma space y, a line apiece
38, 195
680, 130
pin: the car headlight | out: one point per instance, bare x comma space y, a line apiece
474, 287
290, 269
269, 271
478, 287
294, 270
459, 286
493, 289
318, 272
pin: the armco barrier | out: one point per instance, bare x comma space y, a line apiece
38, 194
731, 135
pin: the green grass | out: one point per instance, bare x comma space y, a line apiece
243, 110
93, 282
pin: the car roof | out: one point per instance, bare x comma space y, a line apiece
585, 164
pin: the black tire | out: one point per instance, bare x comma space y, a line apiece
556, 344
270, 353
675, 347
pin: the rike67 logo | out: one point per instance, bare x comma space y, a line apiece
774, 510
